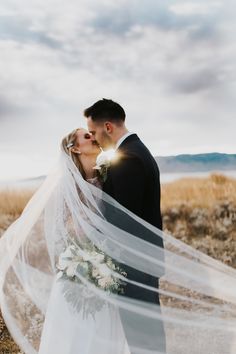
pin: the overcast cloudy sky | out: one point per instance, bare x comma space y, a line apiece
171, 64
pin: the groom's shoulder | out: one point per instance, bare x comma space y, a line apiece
133, 144
133, 147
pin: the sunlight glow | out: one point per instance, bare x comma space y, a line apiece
111, 153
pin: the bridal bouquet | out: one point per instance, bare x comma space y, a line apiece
97, 268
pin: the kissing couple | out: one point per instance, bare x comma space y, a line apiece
83, 270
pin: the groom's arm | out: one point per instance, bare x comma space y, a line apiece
128, 179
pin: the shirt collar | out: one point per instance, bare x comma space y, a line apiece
120, 141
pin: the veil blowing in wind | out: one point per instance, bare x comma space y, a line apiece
76, 239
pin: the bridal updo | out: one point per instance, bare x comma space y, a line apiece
68, 142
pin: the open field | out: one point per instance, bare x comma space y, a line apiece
199, 192
200, 212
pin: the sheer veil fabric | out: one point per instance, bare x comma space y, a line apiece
198, 293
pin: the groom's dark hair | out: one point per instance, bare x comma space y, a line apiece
105, 109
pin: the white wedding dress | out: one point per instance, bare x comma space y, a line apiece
67, 331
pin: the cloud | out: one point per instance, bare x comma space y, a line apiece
195, 8
170, 64
131, 42
17, 29
6, 107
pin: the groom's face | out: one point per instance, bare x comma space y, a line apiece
100, 133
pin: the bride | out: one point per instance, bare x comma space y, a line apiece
77, 334
61, 281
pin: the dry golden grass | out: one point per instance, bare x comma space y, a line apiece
12, 202
202, 213
199, 192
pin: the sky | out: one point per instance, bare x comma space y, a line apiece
170, 64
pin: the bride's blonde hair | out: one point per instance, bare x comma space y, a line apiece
68, 142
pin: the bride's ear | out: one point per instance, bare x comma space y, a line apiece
76, 151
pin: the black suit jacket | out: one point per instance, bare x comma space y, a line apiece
134, 181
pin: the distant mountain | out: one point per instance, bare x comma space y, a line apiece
197, 163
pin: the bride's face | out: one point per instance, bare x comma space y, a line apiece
85, 144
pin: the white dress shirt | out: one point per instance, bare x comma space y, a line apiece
120, 141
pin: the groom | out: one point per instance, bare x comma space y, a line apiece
134, 182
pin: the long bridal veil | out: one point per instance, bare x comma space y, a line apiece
69, 217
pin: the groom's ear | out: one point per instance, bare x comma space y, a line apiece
108, 127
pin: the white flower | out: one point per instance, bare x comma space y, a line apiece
92, 257
71, 270
104, 159
86, 257
63, 263
110, 264
99, 258
104, 270
105, 282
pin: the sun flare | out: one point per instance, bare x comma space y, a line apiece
111, 153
